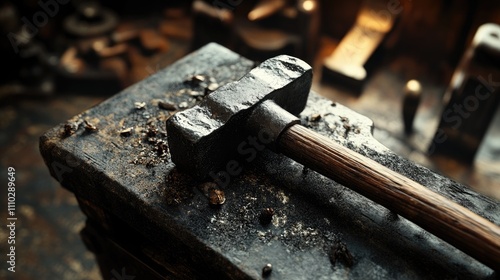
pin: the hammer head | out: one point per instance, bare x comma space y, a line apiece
204, 138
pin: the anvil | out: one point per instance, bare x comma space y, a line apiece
118, 166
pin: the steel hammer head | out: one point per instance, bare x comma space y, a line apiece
204, 138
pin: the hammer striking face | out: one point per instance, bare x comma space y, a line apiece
203, 138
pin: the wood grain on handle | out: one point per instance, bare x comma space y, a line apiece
446, 219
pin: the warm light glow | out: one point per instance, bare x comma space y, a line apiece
98, 45
413, 85
308, 5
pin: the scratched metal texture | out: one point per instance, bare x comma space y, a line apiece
126, 177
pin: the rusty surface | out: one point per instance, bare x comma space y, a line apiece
127, 177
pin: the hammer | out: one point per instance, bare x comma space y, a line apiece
264, 104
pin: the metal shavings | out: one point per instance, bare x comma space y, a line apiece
167, 106
89, 127
152, 131
347, 127
195, 80
212, 87
161, 148
195, 93
356, 129
315, 117
126, 131
183, 105
139, 105
216, 197
70, 128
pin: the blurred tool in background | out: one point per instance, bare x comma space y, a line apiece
471, 99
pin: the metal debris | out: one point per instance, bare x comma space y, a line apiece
356, 129
315, 117
70, 128
195, 93
152, 131
140, 105
267, 269
195, 80
183, 105
212, 86
167, 106
89, 127
126, 131
162, 148
216, 197
347, 127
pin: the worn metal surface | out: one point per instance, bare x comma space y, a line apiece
203, 138
127, 177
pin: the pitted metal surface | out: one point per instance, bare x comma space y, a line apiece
133, 178
205, 137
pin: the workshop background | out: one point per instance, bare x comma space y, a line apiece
60, 58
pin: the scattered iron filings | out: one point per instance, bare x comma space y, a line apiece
152, 131
315, 117
195, 80
89, 127
161, 148
126, 131
140, 105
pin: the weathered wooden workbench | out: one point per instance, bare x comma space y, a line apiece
148, 219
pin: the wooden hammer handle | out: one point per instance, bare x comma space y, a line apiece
444, 218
